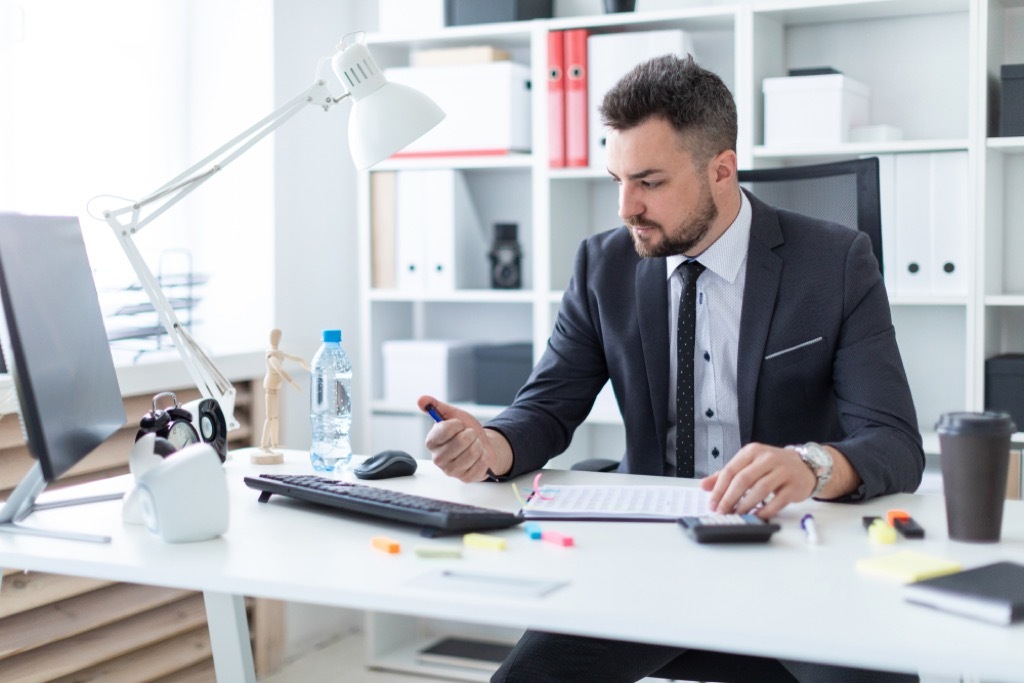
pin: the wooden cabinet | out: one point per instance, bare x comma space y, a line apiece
65, 628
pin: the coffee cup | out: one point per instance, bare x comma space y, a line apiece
975, 459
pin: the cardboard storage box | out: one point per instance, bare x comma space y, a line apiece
501, 370
1011, 101
1004, 386
487, 108
413, 367
802, 110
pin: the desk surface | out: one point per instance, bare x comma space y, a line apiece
640, 581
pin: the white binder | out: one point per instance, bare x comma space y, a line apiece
950, 220
914, 271
440, 242
609, 57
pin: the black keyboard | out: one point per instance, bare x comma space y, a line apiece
430, 513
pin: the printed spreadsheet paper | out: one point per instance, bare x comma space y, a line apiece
603, 502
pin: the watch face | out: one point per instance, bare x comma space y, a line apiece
181, 434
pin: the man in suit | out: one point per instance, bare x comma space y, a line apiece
794, 387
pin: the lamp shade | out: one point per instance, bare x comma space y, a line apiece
385, 116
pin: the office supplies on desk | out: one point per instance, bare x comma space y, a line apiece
993, 592
434, 515
484, 542
728, 529
386, 545
618, 503
810, 528
907, 566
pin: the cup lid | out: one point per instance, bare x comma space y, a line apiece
987, 423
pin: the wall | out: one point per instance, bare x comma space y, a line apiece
315, 262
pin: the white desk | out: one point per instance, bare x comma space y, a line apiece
645, 582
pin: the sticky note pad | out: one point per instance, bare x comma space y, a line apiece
436, 551
385, 544
907, 566
532, 530
557, 538
484, 541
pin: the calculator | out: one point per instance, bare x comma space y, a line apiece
728, 528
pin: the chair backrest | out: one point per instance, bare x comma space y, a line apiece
844, 192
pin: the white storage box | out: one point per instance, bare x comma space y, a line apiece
410, 16
413, 367
487, 107
803, 110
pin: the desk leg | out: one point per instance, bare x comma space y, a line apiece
229, 637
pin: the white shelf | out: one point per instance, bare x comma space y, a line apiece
524, 161
484, 296
859, 149
747, 41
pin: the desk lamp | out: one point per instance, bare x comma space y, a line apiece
385, 117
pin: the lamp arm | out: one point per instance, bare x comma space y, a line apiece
128, 220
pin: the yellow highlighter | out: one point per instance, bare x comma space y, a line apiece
484, 541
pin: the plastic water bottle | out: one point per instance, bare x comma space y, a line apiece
330, 405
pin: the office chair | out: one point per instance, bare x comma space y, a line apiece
844, 192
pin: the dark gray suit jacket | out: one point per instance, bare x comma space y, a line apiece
806, 280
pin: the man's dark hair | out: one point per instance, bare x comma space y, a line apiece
694, 100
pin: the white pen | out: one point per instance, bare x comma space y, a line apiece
807, 523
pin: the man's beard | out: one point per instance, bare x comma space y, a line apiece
685, 237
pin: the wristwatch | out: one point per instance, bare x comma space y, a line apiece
819, 460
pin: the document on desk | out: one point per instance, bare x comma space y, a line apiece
609, 502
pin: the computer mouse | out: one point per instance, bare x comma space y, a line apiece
385, 465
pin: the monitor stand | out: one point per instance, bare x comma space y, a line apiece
22, 503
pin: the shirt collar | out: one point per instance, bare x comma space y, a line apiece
727, 254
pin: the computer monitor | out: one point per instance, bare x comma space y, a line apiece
56, 349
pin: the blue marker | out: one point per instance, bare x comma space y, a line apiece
432, 412
810, 528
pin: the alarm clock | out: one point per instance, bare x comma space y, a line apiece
173, 423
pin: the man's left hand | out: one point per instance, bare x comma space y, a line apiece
760, 475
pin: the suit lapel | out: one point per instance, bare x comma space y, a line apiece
652, 307
764, 271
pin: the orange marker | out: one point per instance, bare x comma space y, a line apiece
892, 515
557, 538
385, 544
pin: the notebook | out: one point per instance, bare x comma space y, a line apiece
992, 592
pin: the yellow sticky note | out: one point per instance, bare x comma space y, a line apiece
907, 566
484, 541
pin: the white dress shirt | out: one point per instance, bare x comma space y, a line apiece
716, 347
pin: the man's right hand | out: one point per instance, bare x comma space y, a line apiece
460, 445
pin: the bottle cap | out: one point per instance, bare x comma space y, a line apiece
332, 335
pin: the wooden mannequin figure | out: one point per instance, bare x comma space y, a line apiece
271, 425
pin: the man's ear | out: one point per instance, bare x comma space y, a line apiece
722, 169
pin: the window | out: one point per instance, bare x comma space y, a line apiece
116, 97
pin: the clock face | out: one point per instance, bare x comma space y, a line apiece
181, 434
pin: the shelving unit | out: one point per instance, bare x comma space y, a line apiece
932, 66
